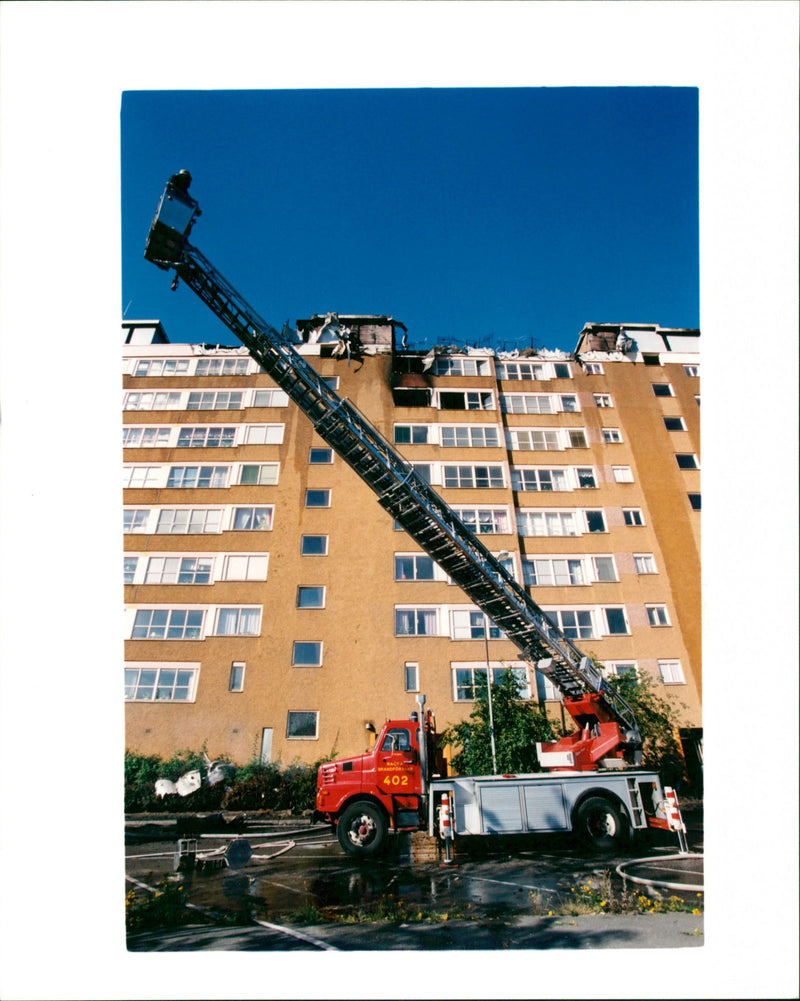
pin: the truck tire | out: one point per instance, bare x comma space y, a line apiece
361, 829
601, 824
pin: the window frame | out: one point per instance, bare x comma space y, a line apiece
304, 538
302, 712
324, 492
157, 667
673, 666
237, 675
318, 644
655, 614
322, 450
320, 590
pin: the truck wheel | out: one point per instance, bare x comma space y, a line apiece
361, 829
601, 824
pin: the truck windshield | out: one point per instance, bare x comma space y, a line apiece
396, 740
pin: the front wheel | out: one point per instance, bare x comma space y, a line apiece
361, 829
601, 824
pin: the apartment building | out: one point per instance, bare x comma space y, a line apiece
274, 610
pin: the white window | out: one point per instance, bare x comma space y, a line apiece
238, 622
224, 400
263, 434
130, 564
484, 520
526, 370
270, 398
314, 545
151, 401
469, 436
466, 624
569, 404
411, 434
168, 624
633, 516
464, 399
137, 436
155, 682
671, 672
593, 368
135, 521
320, 456
622, 474
318, 498
574, 623
252, 519
553, 572
469, 679
662, 389
603, 400
263, 474
411, 676
413, 566
189, 521
620, 669
595, 521
178, 570
416, 622
532, 523
616, 621
424, 470
586, 478
687, 460
215, 436
306, 654
576, 438
166, 366
644, 563
692, 370
535, 440
242, 566
657, 615
310, 597
473, 476
141, 476
604, 568
461, 366
527, 403
302, 725
186, 477
612, 436
236, 681
539, 478
222, 366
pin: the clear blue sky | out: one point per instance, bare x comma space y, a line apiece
496, 216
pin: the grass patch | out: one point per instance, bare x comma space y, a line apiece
165, 908
600, 897
387, 909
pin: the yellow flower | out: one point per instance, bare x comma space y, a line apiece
697, 911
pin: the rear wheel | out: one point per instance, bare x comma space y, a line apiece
601, 824
361, 829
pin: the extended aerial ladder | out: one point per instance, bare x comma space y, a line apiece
606, 726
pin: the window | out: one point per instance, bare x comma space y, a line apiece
517, 403
129, 568
222, 366
311, 597
270, 398
577, 438
697, 400
262, 475
553, 573
415, 622
622, 474
612, 436
151, 401
674, 424
318, 498
305, 654
593, 368
302, 725
644, 563
207, 437
461, 366
238, 622
632, 516
620, 669
411, 676
616, 623
320, 456
485, 521
186, 477
534, 440
413, 567
695, 500
468, 625
167, 366
687, 460
468, 436
236, 681
574, 624
189, 521
539, 479
252, 519
671, 672
314, 545
595, 521
465, 400
168, 623
657, 615
243, 567
603, 400
561, 371
473, 476
141, 476
136, 436
331, 381
423, 470
263, 434
651, 359
525, 370
531, 523
662, 389
586, 478
178, 570
156, 683
569, 404
470, 680
604, 568
215, 401
692, 370
411, 434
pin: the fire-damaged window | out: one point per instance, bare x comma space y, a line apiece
465, 399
